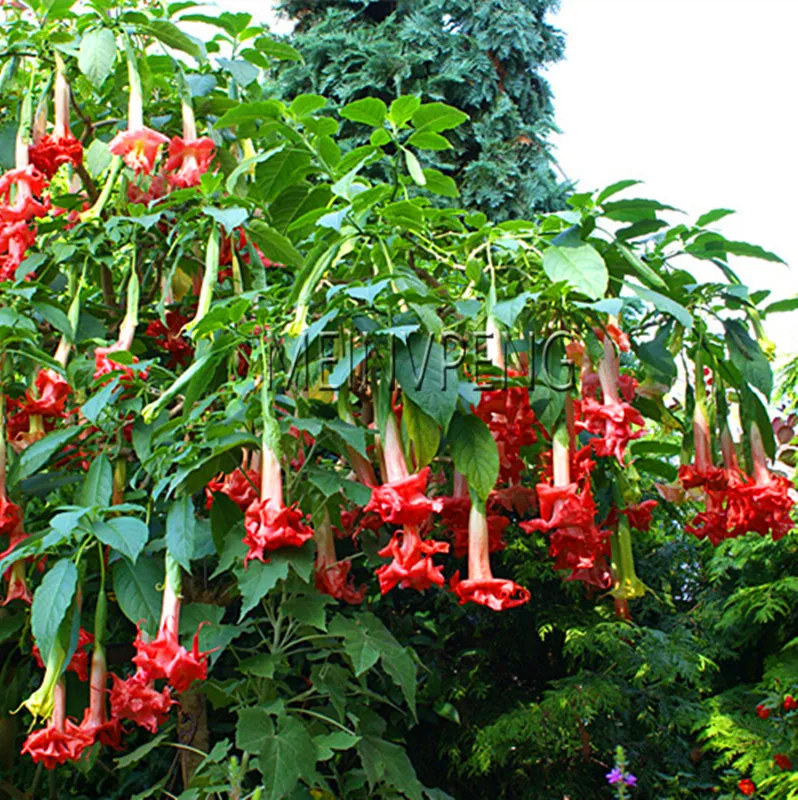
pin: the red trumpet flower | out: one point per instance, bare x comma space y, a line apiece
137, 700
411, 567
138, 148
26, 184
481, 587
191, 158
169, 337
332, 576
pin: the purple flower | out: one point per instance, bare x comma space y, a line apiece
615, 775
630, 780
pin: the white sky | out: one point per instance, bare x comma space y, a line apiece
696, 98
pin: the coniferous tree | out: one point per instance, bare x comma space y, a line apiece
485, 58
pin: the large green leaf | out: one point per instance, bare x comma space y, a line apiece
387, 762
664, 304
253, 729
97, 55
169, 34
747, 356
256, 580
474, 452
422, 374
581, 266
35, 456
126, 535
369, 111
285, 757
98, 484
437, 117
275, 246
423, 431
180, 531
51, 603
135, 587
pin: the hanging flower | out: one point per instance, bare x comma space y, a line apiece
403, 501
95, 723
568, 513
639, 515
239, 487
411, 567
610, 420
26, 184
191, 159
164, 656
332, 576
170, 338
156, 188
138, 148
61, 740
270, 525
137, 700
15, 239
10, 517
481, 587
103, 365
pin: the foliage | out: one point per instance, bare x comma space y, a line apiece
485, 59
228, 338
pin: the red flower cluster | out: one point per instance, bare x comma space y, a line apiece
105, 366
270, 525
454, 517
512, 424
188, 161
21, 201
403, 501
762, 712
568, 515
34, 414
165, 657
169, 338
497, 594
747, 787
334, 579
790, 703
610, 422
137, 700
57, 743
240, 488
411, 567
51, 152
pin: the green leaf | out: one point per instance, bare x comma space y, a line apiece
305, 104
414, 168
507, 311
635, 209
369, 111
353, 435
644, 271
249, 112
228, 218
256, 580
285, 757
275, 246
358, 644
35, 456
135, 588
437, 117
402, 109
140, 752
253, 729
99, 483
180, 531
422, 374
279, 50
428, 140
474, 452
664, 304
97, 55
51, 603
748, 357
388, 762
713, 216
424, 433
438, 183
582, 267
169, 34
789, 304
279, 172
309, 609
614, 188
126, 535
